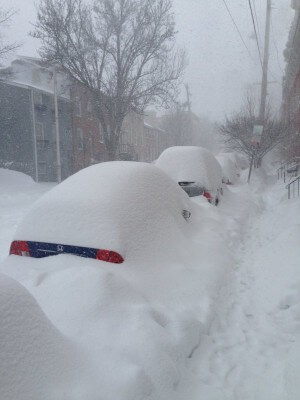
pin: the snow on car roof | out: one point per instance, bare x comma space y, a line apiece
191, 163
117, 206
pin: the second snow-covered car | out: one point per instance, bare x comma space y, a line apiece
192, 164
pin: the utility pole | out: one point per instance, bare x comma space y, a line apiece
264, 82
58, 159
189, 108
188, 98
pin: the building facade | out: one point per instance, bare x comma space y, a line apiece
88, 145
28, 131
27, 128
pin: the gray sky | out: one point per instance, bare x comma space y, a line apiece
220, 70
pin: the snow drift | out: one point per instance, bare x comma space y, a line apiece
37, 361
136, 323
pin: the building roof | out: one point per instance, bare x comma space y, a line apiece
33, 73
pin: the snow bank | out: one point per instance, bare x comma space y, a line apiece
13, 180
37, 362
17, 193
193, 164
136, 323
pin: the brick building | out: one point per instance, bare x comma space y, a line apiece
28, 130
88, 146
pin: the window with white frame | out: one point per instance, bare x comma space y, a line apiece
89, 109
39, 131
80, 138
101, 133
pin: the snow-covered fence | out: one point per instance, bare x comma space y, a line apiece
289, 168
294, 188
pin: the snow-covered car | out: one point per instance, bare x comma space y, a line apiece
193, 164
229, 169
131, 326
96, 214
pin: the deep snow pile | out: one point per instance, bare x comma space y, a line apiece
252, 348
17, 193
13, 180
191, 164
138, 322
210, 313
37, 361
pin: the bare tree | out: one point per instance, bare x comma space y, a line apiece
5, 48
122, 50
237, 132
175, 123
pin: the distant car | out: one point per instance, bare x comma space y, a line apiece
229, 168
192, 165
96, 214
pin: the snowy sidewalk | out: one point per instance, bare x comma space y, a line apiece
251, 350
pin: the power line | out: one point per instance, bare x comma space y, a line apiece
237, 28
257, 23
276, 47
256, 36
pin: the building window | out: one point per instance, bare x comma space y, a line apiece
77, 106
101, 133
38, 98
42, 167
39, 130
89, 109
80, 138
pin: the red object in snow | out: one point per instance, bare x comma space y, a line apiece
208, 196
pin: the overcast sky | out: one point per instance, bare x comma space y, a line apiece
220, 70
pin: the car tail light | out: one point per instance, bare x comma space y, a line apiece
19, 248
109, 256
207, 195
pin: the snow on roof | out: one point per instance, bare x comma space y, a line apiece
123, 206
33, 73
193, 164
153, 127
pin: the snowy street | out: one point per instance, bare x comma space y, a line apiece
149, 200
251, 348
249, 341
